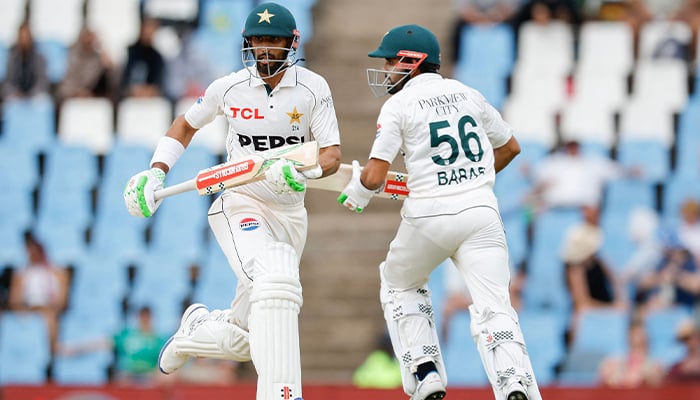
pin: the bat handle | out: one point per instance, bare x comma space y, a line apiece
175, 189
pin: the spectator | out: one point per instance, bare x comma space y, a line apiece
643, 232
137, 351
189, 73
26, 74
145, 67
90, 69
570, 179
675, 281
477, 12
689, 227
40, 287
687, 370
591, 283
637, 368
380, 369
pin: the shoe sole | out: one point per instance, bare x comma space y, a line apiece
517, 395
184, 317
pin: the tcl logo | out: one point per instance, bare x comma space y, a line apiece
246, 113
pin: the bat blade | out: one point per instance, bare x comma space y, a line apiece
394, 186
248, 169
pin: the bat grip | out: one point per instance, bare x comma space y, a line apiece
175, 189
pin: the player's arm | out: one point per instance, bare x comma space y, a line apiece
374, 174
329, 159
181, 131
503, 155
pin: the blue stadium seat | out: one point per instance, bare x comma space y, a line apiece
653, 159
24, 345
617, 245
70, 167
29, 124
20, 169
462, 359
56, 54
3, 61
661, 326
487, 49
87, 367
217, 282
688, 140
12, 251
623, 195
493, 87
676, 190
544, 337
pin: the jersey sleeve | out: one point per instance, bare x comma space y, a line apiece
207, 106
324, 122
388, 140
497, 130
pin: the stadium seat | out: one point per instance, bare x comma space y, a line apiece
117, 24
143, 121
532, 122
217, 283
492, 86
606, 48
608, 91
551, 89
676, 190
20, 169
172, 10
486, 49
661, 326
652, 160
688, 141
546, 49
661, 83
601, 330
544, 336
13, 13
641, 120
24, 345
29, 125
588, 121
56, 23
3, 60
617, 246
56, 54
12, 252
462, 359
656, 34
88, 367
88, 122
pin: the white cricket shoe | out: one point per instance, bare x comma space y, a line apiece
516, 391
430, 388
169, 360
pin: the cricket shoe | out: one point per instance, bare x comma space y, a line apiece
169, 360
430, 388
516, 391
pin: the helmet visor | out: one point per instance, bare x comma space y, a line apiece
266, 62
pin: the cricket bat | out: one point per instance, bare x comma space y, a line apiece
394, 186
248, 169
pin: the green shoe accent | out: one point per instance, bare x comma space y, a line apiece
342, 198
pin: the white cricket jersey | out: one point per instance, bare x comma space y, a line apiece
298, 110
447, 132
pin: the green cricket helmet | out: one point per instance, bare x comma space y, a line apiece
271, 20
402, 42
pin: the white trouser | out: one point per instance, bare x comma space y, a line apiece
475, 241
242, 227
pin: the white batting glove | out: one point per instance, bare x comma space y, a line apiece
284, 178
139, 193
355, 196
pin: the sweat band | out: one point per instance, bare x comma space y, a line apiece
167, 151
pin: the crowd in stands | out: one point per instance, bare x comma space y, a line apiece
591, 226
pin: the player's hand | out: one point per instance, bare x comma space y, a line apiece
139, 193
355, 196
284, 178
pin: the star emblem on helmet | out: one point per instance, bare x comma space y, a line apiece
295, 116
265, 17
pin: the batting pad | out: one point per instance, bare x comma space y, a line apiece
274, 326
501, 346
409, 319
